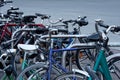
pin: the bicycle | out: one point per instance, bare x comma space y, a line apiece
81, 55
10, 70
50, 62
102, 64
7, 66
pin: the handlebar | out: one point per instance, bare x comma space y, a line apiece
111, 28
8, 1
38, 30
80, 21
2, 2
15, 12
13, 8
68, 21
116, 29
43, 16
101, 23
42, 30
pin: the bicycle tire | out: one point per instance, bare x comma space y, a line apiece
82, 58
38, 66
113, 64
70, 76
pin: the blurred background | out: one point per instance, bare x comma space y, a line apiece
107, 10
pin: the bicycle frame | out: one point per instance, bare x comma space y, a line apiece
69, 46
9, 33
24, 62
9, 77
101, 65
52, 61
5, 31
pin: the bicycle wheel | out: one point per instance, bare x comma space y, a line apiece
71, 76
37, 72
114, 66
83, 57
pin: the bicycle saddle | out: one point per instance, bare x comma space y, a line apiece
27, 47
28, 18
94, 37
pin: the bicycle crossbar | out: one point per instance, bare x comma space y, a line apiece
64, 36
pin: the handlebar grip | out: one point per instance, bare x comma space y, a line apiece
103, 25
15, 13
38, 14
12, 8
8, 1
117, 29
69, 21
82, 21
